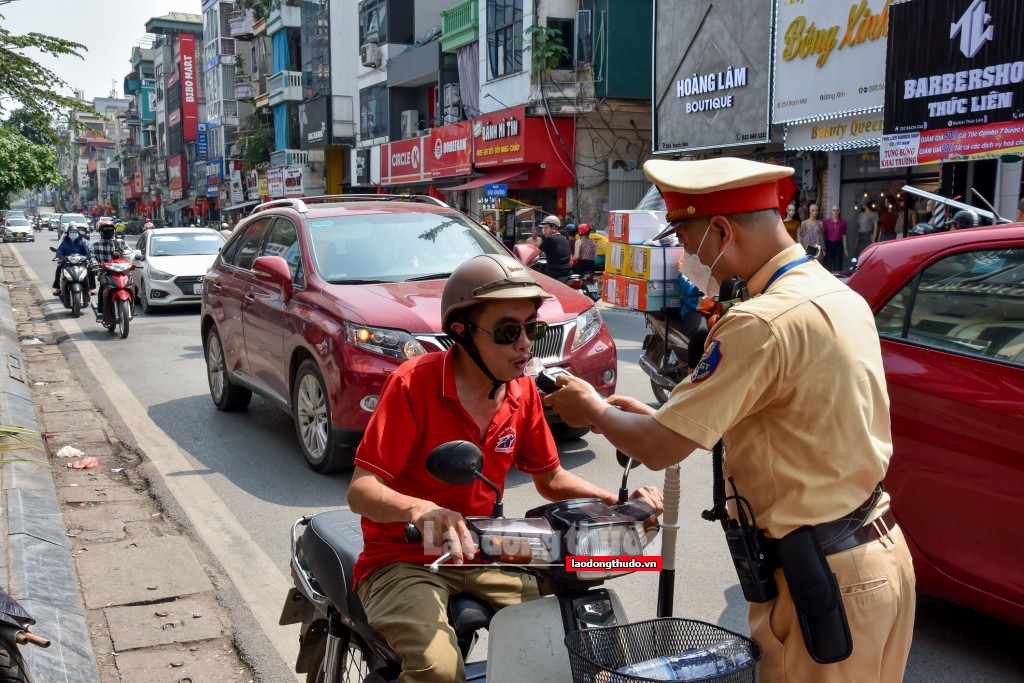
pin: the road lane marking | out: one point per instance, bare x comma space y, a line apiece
260, 583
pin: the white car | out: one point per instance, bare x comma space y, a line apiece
18, 230
170, 264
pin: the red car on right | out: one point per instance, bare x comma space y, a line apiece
950, 314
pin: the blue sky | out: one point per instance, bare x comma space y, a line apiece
109, 28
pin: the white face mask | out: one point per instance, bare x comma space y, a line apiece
699, 274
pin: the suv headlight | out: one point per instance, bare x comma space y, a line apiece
588, 324
383, 340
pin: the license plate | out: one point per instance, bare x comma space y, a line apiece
197, 288
21, 234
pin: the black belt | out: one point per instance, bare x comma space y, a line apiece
865, 534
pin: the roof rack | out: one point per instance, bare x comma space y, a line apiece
302, 205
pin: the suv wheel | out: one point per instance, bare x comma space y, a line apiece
311, 409
225, 395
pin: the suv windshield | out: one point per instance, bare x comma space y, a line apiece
185, 245
395, 247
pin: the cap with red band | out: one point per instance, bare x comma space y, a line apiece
720, 186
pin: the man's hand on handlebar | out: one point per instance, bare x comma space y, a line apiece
650, 495
445, 529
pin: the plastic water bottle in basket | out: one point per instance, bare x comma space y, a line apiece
662, 650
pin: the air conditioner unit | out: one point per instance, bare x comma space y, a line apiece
410, 123
369, 54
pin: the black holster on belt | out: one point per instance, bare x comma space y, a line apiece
815, 593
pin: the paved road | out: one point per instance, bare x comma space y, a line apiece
243, 481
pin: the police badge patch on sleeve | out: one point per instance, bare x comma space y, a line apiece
708, 362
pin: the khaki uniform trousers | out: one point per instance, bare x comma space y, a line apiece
877, 582
409, 605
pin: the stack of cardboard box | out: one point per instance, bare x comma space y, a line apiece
636, 275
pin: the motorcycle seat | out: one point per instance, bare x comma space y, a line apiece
330, 545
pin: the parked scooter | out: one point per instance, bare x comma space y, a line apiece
116, 306
73, 282
14, 623
337, 643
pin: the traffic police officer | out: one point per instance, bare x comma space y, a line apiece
791, 381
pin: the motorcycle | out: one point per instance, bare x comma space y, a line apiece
338, 644
14, 623
672, 348
117, 296
73, 282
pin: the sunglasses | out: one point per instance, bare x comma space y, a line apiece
509, 332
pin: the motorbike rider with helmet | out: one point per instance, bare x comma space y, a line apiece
107, 248
556, 249
965, 218
73, 242
585, 250
475, 391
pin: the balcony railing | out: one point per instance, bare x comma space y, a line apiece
289, 157
131, 150
285, 86
459, 25
242, 25
285, 16
245, 90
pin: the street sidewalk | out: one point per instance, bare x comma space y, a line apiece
112, 579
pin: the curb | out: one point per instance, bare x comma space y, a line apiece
35, 554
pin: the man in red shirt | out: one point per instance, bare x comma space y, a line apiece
476, 392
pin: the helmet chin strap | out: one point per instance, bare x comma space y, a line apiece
466, 342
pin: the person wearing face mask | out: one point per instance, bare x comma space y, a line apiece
74, 242
790, 395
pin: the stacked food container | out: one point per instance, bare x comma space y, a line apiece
637, 275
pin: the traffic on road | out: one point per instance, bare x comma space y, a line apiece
252, 467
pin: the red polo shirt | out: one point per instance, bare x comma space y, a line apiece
419, 410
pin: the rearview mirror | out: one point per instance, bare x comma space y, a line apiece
624, 460
455, 462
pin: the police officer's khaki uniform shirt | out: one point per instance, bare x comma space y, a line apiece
793, 378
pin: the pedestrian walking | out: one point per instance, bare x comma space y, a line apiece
790, 393
867, 227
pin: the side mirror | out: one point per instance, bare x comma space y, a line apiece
274, 270
137, 255
455, 462
527, 254
53, 249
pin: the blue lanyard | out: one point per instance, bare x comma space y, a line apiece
785, 269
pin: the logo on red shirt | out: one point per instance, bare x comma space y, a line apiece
506, 441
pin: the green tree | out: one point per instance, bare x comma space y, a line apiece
24, 165
32, 125
25, 81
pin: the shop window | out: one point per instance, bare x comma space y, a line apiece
373, 111
967, 303
504, 37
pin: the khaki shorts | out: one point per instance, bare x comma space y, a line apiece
408, 605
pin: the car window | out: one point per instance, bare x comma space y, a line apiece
244, 250
395, 247
283, 241
17, 221
970, 303
198, 244
72, 218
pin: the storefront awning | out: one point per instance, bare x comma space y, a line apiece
241, 206
180, 204
496, 176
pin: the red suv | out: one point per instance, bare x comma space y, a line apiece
950, 313
313, 302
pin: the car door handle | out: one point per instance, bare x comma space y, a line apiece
249, 299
